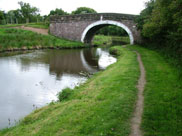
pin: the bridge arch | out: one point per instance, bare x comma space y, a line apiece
90, 30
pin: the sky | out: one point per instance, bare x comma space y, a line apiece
101, 6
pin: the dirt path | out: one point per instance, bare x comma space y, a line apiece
137, 116
37, 30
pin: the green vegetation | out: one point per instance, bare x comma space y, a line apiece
14, 39
38, 25
64, 94
161, 28
83, 10
110, 40
58, 12
163, 96
112, 31
101, 106
35, 25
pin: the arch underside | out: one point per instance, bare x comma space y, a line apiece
90, 31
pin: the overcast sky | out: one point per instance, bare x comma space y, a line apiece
114, 6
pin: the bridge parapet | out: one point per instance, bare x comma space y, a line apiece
92, 17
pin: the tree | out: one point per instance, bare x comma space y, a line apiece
164, 20
58, 12
83, 10
145, 15
28, 12
112, 30
2, 17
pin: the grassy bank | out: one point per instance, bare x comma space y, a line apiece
101, 106
15, 39
163, 96
35, 25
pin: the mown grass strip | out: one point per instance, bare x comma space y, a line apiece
101, 106
163, 96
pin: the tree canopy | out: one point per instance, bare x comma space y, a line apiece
83, 10
162, 18
161, 24
58, 12
28, 11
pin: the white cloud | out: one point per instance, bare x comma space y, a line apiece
116, 6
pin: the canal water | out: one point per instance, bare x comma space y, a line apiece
32, 80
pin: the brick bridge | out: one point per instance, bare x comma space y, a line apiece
82, 27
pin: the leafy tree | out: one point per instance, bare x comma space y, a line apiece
28, 12
145, 14
83, 10
161, 25
58, 12
112, 30
2, 17
165, 21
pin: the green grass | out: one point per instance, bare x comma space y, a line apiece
102, 40
163, 96
110, 40
35, 25
102, 106
12, 39
10, 25
38, 25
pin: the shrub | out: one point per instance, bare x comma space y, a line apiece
64, 94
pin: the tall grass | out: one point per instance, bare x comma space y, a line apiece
11, 39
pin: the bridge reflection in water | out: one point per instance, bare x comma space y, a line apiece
33, 79
69, 61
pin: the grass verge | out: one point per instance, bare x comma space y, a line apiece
35, 25
38, 25
102, 106
163, 96
110, 40
15, 39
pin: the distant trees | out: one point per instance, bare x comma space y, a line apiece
58, 12
28, 12
25, 14
83, 10
112, 30
2, 17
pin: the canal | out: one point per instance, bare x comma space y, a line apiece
31, 80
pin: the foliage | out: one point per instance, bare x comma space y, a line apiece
57, 12
83, 10
112, 30
2, 17
64, 94
161, 25
28, 12
101, 106
145, 14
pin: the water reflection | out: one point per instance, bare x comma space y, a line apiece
32, 80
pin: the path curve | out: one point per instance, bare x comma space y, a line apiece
137, 116
37, 30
